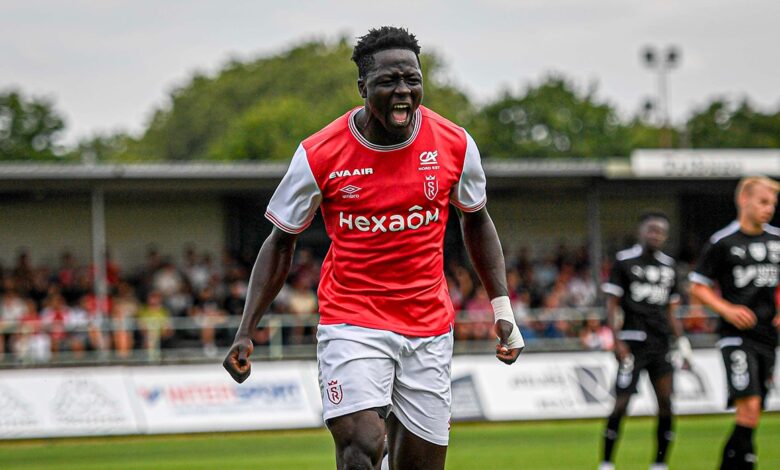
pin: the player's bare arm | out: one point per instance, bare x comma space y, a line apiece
738, 315
268, 276
621, 349
484, 249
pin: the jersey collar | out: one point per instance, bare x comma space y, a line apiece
384, 148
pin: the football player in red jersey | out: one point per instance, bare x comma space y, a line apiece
383, 177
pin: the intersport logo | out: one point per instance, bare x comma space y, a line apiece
414, 220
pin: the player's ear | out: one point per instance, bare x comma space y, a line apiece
361, 83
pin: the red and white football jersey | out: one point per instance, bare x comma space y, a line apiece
385, 210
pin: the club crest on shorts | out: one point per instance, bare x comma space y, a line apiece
431, 187
334, 392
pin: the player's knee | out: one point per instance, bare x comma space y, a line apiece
749, 411
621, 406
664, 406
362, 453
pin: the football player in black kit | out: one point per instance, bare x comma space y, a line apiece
742, 259
643, 283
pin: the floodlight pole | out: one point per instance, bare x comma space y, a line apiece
662, 63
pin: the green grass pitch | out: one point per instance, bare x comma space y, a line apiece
516, 445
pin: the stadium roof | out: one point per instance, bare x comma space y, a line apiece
241, 176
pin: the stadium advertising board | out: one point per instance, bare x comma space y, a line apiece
285, 394
203, 398
65, 402
704, 163
577, 385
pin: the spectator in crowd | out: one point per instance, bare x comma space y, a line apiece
207, 314
54, 319
12, 309
302, 304
595, 335
123, 314
31, 345
155, 323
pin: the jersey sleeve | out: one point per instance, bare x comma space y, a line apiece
614, 286
708, 264
469, 194
296, 199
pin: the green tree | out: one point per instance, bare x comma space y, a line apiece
263, 108
29, 128
722, 124
550, 119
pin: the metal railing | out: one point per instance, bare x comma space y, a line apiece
279, 336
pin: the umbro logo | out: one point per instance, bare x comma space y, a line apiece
350, 191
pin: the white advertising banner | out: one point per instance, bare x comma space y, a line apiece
577, 385
65, 402
690, 163
277, 395
285, 394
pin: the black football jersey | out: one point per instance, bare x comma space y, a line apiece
645, 283
745, 267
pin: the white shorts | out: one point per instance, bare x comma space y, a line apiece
362, 368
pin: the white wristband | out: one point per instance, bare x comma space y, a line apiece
684, 346
502, 310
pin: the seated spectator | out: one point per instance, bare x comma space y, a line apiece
302, 304
478, 317
123, 314
31, 344
207, 314
155, 323
54, 319
596, 336
12, 309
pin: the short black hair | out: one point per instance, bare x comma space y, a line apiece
653, 214
381, 39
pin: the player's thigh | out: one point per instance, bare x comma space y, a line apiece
743, 375
409, 451
661, 373
422, 390
356, 370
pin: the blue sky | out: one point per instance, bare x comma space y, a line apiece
108, 63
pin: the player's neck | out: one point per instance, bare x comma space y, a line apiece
375, 132
750, 227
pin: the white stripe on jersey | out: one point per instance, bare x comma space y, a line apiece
724, 232
633, 252
612, 289
729, 341
772, 229
632, 335
663, 258
699, 279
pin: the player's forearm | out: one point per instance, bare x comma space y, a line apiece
484, 249
674, 322
268, 276
708, 297
612, 307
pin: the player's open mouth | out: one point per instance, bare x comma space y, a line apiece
401, 114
